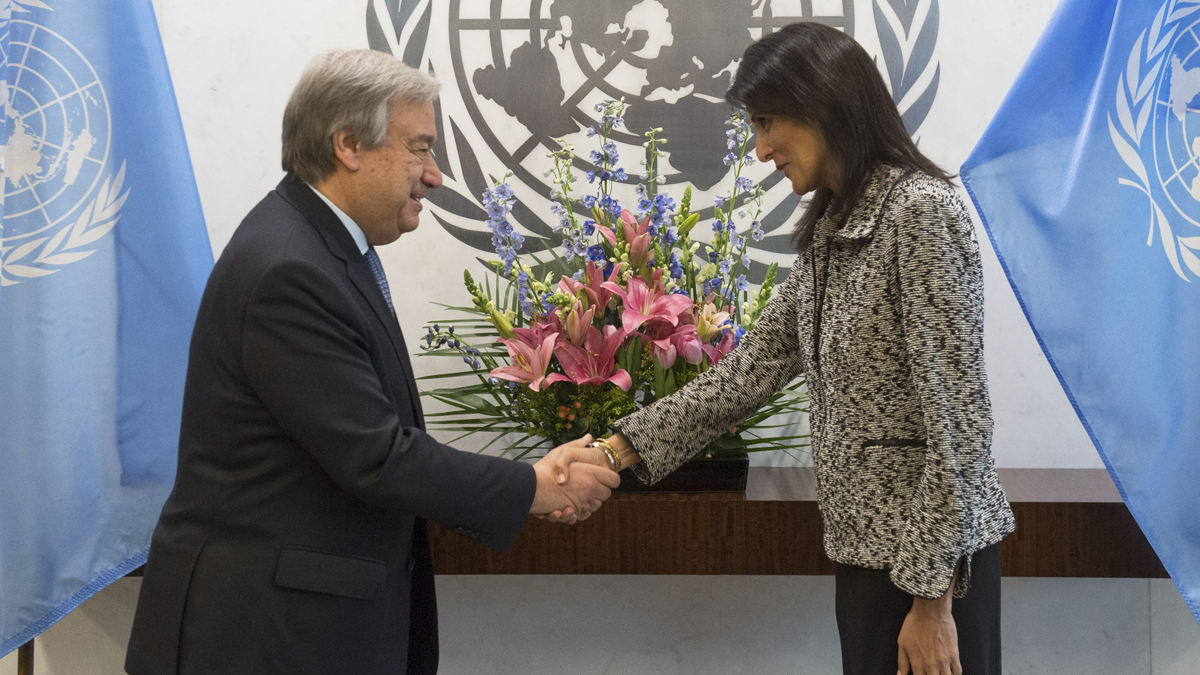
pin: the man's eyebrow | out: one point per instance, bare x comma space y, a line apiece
427, 139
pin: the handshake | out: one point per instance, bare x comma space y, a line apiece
573, 480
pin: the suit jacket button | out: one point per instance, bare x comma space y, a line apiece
412, 564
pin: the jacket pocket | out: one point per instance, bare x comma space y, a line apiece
347, 576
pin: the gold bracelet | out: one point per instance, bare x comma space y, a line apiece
614, 460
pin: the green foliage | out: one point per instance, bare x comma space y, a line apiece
564, 410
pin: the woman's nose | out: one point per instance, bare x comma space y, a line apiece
762, 149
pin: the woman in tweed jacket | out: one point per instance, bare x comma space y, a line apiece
883, 312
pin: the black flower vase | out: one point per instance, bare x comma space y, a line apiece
722, 467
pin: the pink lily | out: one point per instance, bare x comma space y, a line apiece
592, 284
637, 236
715, 354
529, 364
594, 362
644, 303
578, 321
681, 342
535, 334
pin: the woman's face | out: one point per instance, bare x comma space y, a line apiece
797, 149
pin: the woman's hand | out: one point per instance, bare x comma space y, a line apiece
625, 453
929, 640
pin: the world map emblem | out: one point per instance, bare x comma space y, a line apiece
59, 199
518, 76
1155, 128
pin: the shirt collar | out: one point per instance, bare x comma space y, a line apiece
355, 231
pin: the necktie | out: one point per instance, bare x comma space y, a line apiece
380, 277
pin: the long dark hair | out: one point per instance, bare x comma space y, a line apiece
820, 76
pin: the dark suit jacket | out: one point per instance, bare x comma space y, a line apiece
294, 540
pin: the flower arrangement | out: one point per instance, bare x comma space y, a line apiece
628, 313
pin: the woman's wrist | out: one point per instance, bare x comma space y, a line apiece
624, 449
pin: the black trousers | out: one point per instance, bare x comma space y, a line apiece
871, 610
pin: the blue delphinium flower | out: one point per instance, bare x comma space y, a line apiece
756, 231
591, 176
589, 202
498, 203
743, 183
523, 293
620, 175
738, 335
589, 227
675, 268
726, 265
741, 283
596, 157
610, 204
719, 201
595, 253
713, 256
718, 225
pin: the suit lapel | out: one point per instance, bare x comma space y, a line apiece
364, 280
342, 246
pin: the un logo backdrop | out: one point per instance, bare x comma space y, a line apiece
519, 74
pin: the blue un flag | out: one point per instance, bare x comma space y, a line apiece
103, 258
1088, 180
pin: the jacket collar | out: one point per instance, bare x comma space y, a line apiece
342, 246
864, 217
297, 193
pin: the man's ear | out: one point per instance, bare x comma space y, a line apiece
348, 149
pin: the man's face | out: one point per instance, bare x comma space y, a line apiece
394, 177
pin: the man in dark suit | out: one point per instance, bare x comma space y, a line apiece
294, 540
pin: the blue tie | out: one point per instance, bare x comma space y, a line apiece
380, 277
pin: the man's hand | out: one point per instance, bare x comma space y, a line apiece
929, 639
571, 496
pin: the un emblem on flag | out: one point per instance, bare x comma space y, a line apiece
1156, 129
520, 75
58, 200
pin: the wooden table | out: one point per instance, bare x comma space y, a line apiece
1070, 523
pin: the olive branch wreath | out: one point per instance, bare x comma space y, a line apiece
907, 39
68, 244
7, 7
1134, 106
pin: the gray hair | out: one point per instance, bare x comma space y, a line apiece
350, 90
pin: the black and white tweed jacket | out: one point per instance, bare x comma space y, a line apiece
900, 417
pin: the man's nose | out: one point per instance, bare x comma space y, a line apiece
433, 175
